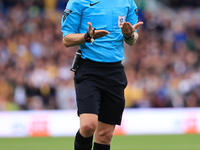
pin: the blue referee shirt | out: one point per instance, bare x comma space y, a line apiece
106, 15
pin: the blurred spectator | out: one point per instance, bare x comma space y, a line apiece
36, 103
163, 67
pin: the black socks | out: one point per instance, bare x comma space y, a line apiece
82, 143
101, 147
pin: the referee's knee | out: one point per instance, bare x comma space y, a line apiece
88, 128
104, 137
88, 124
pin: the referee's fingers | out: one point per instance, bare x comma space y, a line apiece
90, 26
137, 24
125, 28
130, 27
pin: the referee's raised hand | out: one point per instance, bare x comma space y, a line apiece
128, 30
97, 33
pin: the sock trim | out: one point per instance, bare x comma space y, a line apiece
98, 146
83, 146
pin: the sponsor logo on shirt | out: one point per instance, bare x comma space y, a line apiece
94, 3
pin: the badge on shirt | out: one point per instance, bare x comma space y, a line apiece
121, 20
66, 13
136, 11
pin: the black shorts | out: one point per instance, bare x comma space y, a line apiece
100, 90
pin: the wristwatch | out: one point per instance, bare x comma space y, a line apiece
129, 38
87, 37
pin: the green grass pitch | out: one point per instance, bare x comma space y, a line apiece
141, 142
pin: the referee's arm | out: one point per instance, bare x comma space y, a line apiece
78, 39
73, 40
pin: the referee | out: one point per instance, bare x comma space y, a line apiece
99, 27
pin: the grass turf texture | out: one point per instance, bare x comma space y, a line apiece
149, 142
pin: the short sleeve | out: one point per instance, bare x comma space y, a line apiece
132, 17
71, 18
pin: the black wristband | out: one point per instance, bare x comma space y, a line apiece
87, 37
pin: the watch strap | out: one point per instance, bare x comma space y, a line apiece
87, 37
129, 38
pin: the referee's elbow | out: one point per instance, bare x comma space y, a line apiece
66, 43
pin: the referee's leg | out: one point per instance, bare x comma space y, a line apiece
103, 136
84, 137
88, 124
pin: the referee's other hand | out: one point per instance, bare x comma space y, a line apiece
128, 30
97, 33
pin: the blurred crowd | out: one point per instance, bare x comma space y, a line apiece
163, 67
